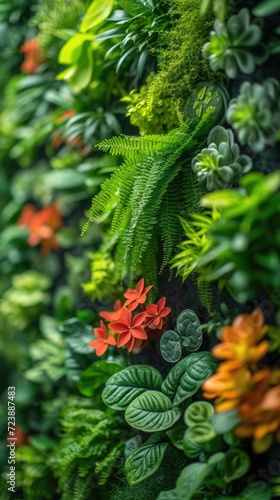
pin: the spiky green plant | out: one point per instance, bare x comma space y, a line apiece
150, 189
91, 442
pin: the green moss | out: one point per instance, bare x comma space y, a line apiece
180, 59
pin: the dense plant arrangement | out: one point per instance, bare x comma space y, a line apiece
139, 140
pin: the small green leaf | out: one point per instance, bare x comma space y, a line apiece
198, 412
257, 490
192, 450
201, 433
170, 346
152, 411
123, 387
191, 478
143, 462
187, 376
216, 459
266, 8
95, 376
188, 327
96, 14
237, 463
176, 436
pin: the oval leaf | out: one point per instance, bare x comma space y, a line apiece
187, 376
95, 376
201, 433
143, 462
191, 478
237, 463
123, 387
96, 14
188, 327
170, 346
198, 412
152, 411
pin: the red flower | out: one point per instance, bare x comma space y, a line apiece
137, 296
112, 315
155, 313
32, 56
103, 340
42, 226
129, 329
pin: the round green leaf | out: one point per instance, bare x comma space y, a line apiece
188, 327
152, 411
187, 376
123, 387
237, 463
216, 458
170, 346
192, 450
95, 376
198, 412
201, 433
143, 462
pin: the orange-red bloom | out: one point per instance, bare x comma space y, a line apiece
239, 341
32, 56
112, 315
129, 328
42, 226
103, 340
156, 313
137, 296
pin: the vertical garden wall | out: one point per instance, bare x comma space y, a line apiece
140, 249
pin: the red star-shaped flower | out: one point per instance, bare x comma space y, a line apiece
156, 313
112, 315
137, 296
130, 329
103, 340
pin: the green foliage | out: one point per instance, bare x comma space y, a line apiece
35, 476
235, 45
105, 277
95, 376
202, 97
187, 334
149, 192
266, 8
239, 254
180, 62
219, 8
274, 338
150, 113
237, 463
90, 444
254, 114
27, 297
220, 164
96, 14
198, 412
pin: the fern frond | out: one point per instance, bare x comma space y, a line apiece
205, 294
130, 146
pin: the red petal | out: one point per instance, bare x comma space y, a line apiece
140, 286
130, 294
131, 305
152, 309
139, 333
95, 343
138, 319
130, 344
101, 349
101, 331
147, 289
125, 316
161, 303
111, 341
165, 311
142, 299
123, 339
118, 327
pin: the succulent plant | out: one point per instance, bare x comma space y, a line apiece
255, 113
220, 164
236, 44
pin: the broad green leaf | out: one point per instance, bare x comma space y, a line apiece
96, 14
123, 387
201, 433
143, 462
188, 327
191, 478
256, 491
266, 8
170, 346
237, 463
152, 411
72, 49
187, 376
198, 412
191, 450
176, 436
225, 421
95, 376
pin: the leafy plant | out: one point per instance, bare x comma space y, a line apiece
219, 8
236, 45
187, 334
149, 191
266, 8
105, 278
91, 442
254, 114
220, 164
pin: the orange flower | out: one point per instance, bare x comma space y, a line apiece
42, 226
103, 340
137, 296
129, 328
32, 56
239, 341
156, 313
114, 315
228, 389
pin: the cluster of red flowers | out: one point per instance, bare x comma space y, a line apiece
128, 329
32, 56
42, 226
239, 383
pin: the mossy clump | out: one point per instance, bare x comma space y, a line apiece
180, 59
